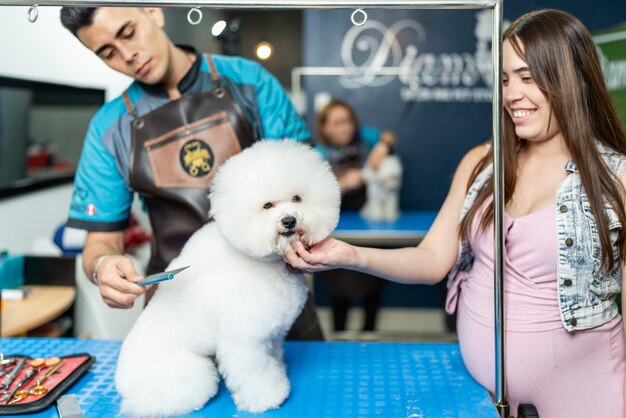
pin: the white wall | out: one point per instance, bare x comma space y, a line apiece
46, 51
29, 218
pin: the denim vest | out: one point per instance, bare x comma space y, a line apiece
586, 292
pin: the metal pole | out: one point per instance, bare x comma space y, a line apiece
269, 4
498, 202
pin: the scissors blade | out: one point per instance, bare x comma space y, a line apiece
29, 375
10, 377
159, 277
175, 272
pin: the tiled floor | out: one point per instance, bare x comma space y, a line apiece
393, 324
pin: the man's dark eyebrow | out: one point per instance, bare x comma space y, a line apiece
117, 35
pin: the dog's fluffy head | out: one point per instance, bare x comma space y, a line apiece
272, 194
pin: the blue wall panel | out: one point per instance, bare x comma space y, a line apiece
449, 52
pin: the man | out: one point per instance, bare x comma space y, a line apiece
184, 114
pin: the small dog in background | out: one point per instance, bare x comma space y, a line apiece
230, 311
383, 190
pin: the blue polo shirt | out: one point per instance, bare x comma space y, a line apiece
102, 193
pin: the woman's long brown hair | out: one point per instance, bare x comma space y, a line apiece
564, 63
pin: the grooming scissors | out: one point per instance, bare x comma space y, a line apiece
159, 277
5, 365
29, 375
10, 377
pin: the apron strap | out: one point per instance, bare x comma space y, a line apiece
130, 107
214, 76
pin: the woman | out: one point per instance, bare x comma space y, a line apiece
564, 151
348, 147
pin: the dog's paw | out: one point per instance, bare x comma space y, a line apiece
163, 391
164, 400
262, 393
139, 407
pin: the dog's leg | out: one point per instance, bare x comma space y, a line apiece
366, 211
391, 206
278, 353
175, 382
254, 373
158, 376
377, 209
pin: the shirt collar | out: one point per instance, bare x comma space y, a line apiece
570, 166
186, 82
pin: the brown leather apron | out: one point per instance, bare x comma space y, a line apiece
175, 152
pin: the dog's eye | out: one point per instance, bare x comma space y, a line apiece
268, 205
296, 199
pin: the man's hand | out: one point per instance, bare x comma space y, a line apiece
116, 277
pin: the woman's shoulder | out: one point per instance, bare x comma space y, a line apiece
607, 150
474, 156
612, 157
474, 160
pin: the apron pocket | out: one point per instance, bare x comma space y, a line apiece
188, 157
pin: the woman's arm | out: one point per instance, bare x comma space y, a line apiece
350, 179
427, 263
386, 141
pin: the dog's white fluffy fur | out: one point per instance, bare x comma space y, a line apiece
231, 310
383, 190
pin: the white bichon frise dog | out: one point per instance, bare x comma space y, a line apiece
383, 190
237, 301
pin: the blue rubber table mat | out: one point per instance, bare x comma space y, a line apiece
328, 379
409, 222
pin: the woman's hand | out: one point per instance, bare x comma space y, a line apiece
325, 255
377, 156
351, 179
381, 150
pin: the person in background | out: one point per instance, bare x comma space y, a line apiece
348, 147
184, 114
564, 174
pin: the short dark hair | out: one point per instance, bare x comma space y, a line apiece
74, 18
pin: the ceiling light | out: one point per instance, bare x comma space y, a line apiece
218, 28
263, 50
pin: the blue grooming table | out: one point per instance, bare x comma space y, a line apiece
407, 230
328, 380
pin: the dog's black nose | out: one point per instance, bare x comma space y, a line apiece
288, 222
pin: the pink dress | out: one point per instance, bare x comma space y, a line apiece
578, 374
